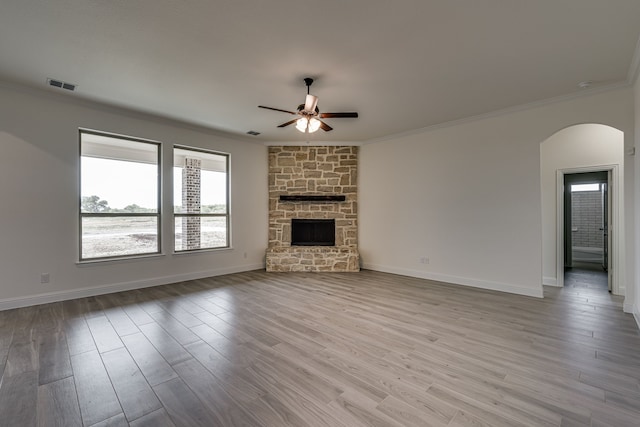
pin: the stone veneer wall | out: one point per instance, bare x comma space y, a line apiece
313, 170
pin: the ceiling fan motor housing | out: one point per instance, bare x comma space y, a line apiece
302, 111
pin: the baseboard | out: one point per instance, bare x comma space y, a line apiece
550, 281
631, 308
635, 310
45, 298
464, 281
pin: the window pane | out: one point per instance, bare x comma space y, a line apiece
118, 236
199, 182
585, 187
200, 186
200, 233
214, 194
118, 175
118, 186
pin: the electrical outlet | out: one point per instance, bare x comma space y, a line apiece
424, 260
45, 278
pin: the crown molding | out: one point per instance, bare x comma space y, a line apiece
632, 77
504, 111
634, 68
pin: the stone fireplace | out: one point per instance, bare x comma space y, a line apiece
314, 189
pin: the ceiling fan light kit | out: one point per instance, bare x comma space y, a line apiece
307, 125
314, 124
309, 122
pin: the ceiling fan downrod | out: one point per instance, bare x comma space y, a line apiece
308, 81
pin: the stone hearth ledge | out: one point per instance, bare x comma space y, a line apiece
313, 258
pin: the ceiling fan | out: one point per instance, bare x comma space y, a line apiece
309, 120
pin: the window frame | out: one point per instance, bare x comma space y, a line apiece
226, 215
157, 214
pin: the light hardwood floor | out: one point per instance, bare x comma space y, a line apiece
352, 349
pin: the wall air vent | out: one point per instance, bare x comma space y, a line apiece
62, 85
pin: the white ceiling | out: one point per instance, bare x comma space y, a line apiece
403, 65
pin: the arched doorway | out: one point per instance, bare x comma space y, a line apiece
583, 148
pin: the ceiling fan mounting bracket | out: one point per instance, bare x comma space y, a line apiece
308, 81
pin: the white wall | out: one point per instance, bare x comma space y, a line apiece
468, 196
39, 201
580, 146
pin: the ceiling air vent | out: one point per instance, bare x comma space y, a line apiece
62, 85
253, 132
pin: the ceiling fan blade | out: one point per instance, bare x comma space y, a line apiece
325, 127
337, 115
276, 109
310, 103
288, 123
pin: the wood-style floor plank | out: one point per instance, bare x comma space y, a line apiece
234, 378
168, 347
183, 405
116, 421
58, 404
210, 390
173, 327
151, 363
104, 335
158, 418
355, 409
96, 396
18, 399
53, 354
323, 349
78, 335
22, 355
137, 314
133, 391
121, 323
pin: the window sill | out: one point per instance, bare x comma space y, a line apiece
199, 251
117, 260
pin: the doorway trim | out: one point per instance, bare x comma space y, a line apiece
614, 230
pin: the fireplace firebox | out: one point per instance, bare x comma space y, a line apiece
313, 232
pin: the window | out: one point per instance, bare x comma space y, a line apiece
200, 198
585, 187
119, 196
